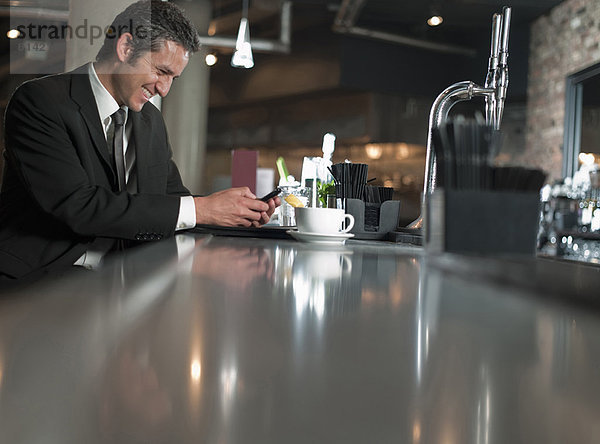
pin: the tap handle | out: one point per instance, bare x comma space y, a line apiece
496, 30
502, 72
491, 79
494, 50
506, 11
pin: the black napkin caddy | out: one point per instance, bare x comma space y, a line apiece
482, 222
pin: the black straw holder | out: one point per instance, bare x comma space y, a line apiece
482, 222
388, 218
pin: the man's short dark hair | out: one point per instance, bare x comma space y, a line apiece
151, 23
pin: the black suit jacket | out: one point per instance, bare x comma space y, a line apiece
60, 189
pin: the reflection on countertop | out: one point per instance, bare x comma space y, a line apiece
257, 340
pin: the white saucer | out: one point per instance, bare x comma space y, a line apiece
320, 238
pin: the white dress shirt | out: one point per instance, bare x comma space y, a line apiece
107, 106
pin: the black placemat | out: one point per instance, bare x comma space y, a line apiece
266, 231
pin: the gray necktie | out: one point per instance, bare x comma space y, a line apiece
118, 121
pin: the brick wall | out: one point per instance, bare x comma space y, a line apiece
563, 42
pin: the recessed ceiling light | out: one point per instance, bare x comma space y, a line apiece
13, 34
435, 20
210, 59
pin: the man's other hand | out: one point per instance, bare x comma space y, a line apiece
234, 207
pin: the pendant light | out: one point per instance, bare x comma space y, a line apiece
242, 57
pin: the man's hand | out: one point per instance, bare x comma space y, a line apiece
266, 215
234, 207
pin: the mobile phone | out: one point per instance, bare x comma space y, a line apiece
271, 195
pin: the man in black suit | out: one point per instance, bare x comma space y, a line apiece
88, 159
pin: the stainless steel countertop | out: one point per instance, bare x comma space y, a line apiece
244, 340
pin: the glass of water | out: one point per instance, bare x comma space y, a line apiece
287, 216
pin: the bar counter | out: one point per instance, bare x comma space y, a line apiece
216, 339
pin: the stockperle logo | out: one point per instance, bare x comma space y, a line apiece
84, 31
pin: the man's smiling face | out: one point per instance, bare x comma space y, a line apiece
150, 74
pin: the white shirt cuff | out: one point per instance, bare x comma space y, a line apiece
187, 214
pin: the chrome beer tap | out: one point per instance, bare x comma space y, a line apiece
502, 84
491, 80
494, 92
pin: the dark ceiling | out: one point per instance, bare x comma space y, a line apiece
405, 17
457, 13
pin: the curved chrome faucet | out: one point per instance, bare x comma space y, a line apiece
458, 92
494, 92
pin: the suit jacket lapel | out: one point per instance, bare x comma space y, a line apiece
81, 93
141, 136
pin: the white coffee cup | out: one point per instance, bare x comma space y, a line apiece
322, 220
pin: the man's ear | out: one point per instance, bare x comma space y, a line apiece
124, 47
